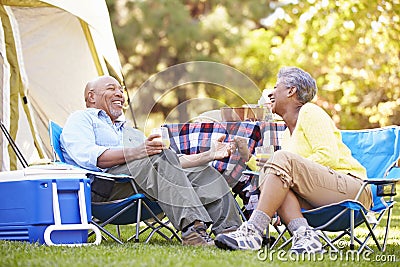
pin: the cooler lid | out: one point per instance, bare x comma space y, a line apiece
39, 172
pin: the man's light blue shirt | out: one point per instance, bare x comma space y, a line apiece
87, 134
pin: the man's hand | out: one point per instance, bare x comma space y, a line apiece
152, 145
112, 157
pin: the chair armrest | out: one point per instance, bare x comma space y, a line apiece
248, 172
109, 175
380, 181
385, 186
120, 178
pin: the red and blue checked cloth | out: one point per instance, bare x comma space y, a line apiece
192, 138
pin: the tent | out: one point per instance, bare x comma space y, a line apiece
48, 51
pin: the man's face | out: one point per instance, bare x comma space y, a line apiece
109, 96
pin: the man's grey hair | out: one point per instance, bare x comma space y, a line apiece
302, 80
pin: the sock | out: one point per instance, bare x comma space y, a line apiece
294, 224
260, 220
187, 227
194, 224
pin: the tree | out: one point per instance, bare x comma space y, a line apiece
351, 47
154, 35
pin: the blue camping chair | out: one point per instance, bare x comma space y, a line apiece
378, 150
118, 212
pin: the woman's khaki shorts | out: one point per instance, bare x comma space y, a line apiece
313, 183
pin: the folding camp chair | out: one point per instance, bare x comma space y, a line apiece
378, 150
119, 212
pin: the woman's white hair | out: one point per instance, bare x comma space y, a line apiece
302, 80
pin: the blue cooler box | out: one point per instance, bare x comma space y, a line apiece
34, 199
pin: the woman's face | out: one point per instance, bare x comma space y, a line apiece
279, 96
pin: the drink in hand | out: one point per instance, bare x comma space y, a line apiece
164, 136
263, 154
166, 142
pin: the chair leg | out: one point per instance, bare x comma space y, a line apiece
281, 235
352, 229
328, 241
110, 220
157, 230
118, 231
346, 232
139, 213
371, 232
162, 225
389, 217
107, 233
240, 211
154, 229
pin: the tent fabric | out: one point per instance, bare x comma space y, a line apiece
49, 50
18, 80
99, 23
3, 97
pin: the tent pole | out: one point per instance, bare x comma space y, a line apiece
14, 145
131, 109
129, 101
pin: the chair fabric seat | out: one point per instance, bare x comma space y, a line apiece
105, 210
324, 214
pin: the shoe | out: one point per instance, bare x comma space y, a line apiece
226, 230
244, 238
196, 235
306, 241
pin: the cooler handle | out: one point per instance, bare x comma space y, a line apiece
51, 228
59, 226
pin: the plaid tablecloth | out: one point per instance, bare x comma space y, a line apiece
192, 138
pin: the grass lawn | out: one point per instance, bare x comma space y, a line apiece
161, 253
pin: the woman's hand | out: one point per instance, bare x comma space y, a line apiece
219, 149
261, 161
241, 144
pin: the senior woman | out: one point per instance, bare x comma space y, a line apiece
314, 168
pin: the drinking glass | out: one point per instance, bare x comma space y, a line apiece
263, 153
269, 116
164, 136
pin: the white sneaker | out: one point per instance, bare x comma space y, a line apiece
306, 241
244, 238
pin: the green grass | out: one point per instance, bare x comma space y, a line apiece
161, 253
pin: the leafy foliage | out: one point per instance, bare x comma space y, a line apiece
350, 47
